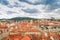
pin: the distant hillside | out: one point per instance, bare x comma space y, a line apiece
26, 18
23, 18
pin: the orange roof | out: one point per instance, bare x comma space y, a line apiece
26, 38
14, 30
33, 30
15, 36
3, 27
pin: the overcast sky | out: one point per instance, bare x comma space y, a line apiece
29, 8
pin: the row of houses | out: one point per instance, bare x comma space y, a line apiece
28, 25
